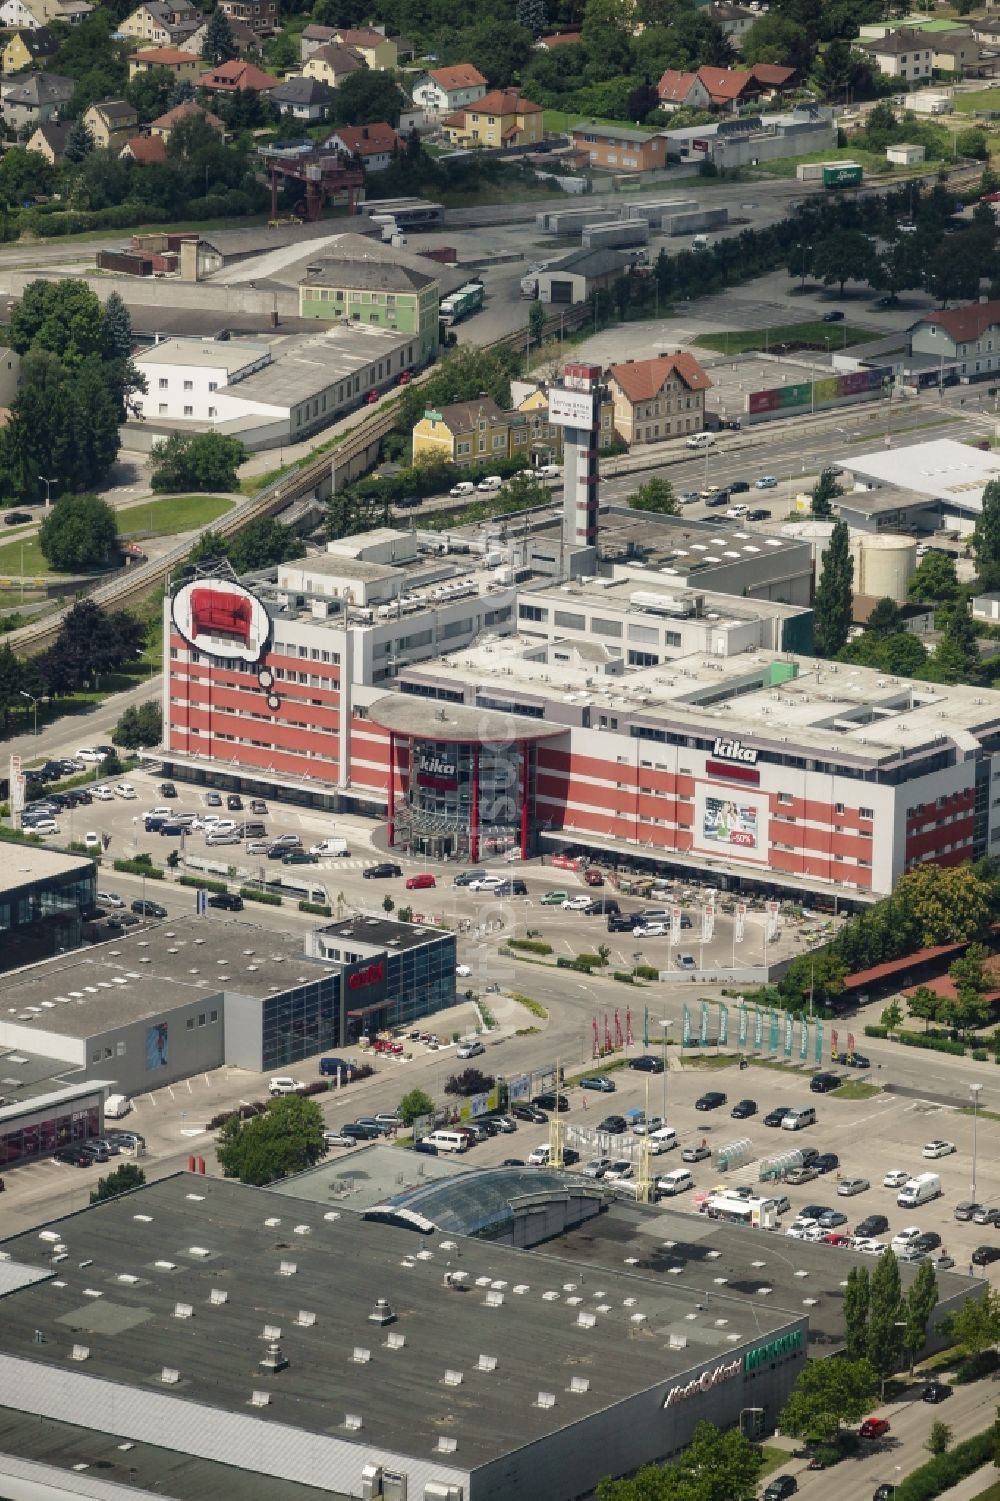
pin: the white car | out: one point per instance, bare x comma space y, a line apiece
159, 813
329, 847
540, 1156
283, 1084
87, 755
905, 1237
868, 1245
939, 1149
470, 1049
91, 840
258, 847
44, 826
104, 794
223, 826
125, 790
596, 1167
796, 1232
109, 899
486, 883
576, 903
649, 929
895, 1179
619, 1171
851, 1186
463, 970
648, 1126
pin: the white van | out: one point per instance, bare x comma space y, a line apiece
805, 1115
539, 1157
464, 487
700, 440
663, 1139
491, 482
674, 1182
449, 1141
700, 242
116, 1106
919, 1190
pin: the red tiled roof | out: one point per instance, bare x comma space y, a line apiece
163, 57
186, 111
561, 39
367, 140
674, 86
724, 83
146, 149
946, 988
456, 120
641, 380
238, 75
461, 76
505, 102
899, 966
773, 76
361, 36
964, 323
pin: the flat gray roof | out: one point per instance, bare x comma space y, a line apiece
24, 864
315, 364
187, 1237
410, 714
231, 355
382, 932
154, 969
367, 1175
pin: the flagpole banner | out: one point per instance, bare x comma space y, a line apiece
819, 1042
744, 1025
789, 1023
773, 908
675, 925
704, 1024
685, 1027
803, 1039
645, 1028
775, 1030
723, 1025
758, 1030
850, 1047
706, 925
833, 1043
741, 921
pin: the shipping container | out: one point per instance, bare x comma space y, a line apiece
467, 300
842, 175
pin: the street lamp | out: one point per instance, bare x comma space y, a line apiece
34, 706
47, 483
664, 1023
974, 1090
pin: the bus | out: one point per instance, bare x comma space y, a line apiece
461, 304
413, 214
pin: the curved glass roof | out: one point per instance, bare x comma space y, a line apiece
479, 1202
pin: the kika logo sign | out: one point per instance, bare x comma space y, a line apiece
733, 750
219, 618
371, 975
703, 1383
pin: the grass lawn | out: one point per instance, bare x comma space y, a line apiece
991, 1493
560, 120
967, 104
874, 165
178, 513
774, 1458
855, 1090
818, 334
708, 1060
28, 552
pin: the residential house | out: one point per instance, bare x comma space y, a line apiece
49, 141
36, 99
545, 437
734, 21
364, 281
376, 50
559, 39
308, 99
31, 15
72, 12
262, 16
658, 398
902, 54
373, 145
471, 432
619, 148
146, 150
987, 31
773, 78
189, 110
111, 122
960, 51
680, 90
28, 47
236, 76
178, 63
162, 24
332, 64
444, 90
500, 118
245, 39
721, 88
962, 339
314, 36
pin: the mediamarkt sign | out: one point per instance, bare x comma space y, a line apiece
733, 750
369, 976
775, 1349
702, 1383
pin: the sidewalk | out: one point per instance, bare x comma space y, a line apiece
972, 1486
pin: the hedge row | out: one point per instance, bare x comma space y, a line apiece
946, 1470
646, 972
139, 868
873, 1031
935, 1044
321, 909
202, 884
529, 945
251, 894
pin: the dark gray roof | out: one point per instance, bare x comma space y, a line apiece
382, 932
150, 319
588, 262
302, 90
41, 42
41, 88
115, 109
55, 132
373, 276
248, 241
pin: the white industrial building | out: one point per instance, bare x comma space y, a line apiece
944, 470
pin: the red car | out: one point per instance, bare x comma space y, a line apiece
833, 1239
372, 397
565, 862
593, 878
384, 1045
874, 1428
422, 882
405, 376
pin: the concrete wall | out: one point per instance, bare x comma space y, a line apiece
170, 291
188, 1050
244, 1032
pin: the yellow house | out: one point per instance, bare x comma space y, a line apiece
470, 432
545, 437
379, 51
111, 123
499, 118
179, 64
332, 64
27, 47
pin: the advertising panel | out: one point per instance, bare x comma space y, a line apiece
571, 408
733, 822
820, 393
157, 1046
219, 618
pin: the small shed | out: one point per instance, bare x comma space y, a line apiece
904, 154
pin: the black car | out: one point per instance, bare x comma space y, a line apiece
759, 513
720, 498
148, 909
809, 1156
513, 886
361, 1131
234, 802
75, 1156
872, 1224
525, 1112
711, 1100
613, 1125
833, 316
927, 1242
854, 1060
884, 1492
984, 1255
547, 1101
167, 789
16, 518
173, 829
823, 1083
826, 1162
935, 1392
95, 1151
781, 1487
153, 823
621, 922
384, 869
738, 486
603, 904
229, 901
743, 1109
776, 1116
646, 1064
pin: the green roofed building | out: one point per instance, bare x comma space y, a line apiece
364, 282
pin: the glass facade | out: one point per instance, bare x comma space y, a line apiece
44, 917
22, 1143
462, 799
419, 982
300, 1022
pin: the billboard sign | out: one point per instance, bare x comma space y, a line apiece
571, 408
219, 618
730, 823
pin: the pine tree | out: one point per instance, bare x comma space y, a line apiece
79, 142
956, 658
218, 46
834, 594
532, 15
986, 533
884, 1314
116, 329
857, 1295
824, 492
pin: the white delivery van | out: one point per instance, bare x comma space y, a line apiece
116, 1106
449, 1141
700, 242
663, 1139
804, 1115
464, 487
539, 1157
674, 1182
919, 1190
700, 440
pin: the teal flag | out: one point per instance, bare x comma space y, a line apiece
775, 1030
819, 1042
789, 1025
704, 1024
744, 1026
645, 1028
723, 1025
686, 1028
758, 1030
803, 1039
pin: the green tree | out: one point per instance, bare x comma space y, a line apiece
388, 905
368, 96
657, 494
973, 142
139, 726
938, 1438
884, 1316
414, 1104
199, 461
843, 255
531, 15
63, 317
522, 491
824, 492
536, 322
934, 579
116, 329
856, 1299
121, 1181
918, 1305
834, 600
499, 49
286, 1139
715, 1466
956, 657
79, 532
218, 45
986, 532
606, 38
924, 1004
776, 39
827, 1394
976, 1325
262, 543
79, 142
892, 1016
884, 619
947, 903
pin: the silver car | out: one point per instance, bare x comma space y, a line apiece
596, 1167
695, 1154
851, 1186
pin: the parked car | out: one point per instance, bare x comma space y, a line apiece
848, 1187
895, 1178
823, 1083
697, 1153
966, 1209
148, 909
743, 1110
646, 1063
229, 901
600, 1082
596, 1167
781, 1487
522, 1111
854, 1060
825, 1162
984, 1255
213, 800
872, 1224
874, 1428
110, 899
777, 1115
613, 1125
283, 1084
553, 898
939, 1149
75, 1157
471, 1049
801, 1174
710, 1100
423, 881
234, 802
766, 482
361, 1131
833, 316
547, 1101
384, 870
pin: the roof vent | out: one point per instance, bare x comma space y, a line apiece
169, 1376
452, 1378
218, 1296
183, 1311
352, 1421
287, 1268
494, 1299
361, 1356
382, 1313
457, 1281
487, 1363
579, 1384
271, 1331
273, 1360
446, 1445
586, 1320
395, 1341
80, 1352
304, 1319
545, 1399
260, 1399
678, 1342
521, 1287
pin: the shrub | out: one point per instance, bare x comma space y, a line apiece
139, 868
470, 1081
202, 883
624, 976
935, 1044
946, 1470
320, 908
529, 945
872, 1031
646, 972
977, 1366
251, 894
979, 1055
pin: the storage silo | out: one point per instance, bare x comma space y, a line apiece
816, 531
884, 563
